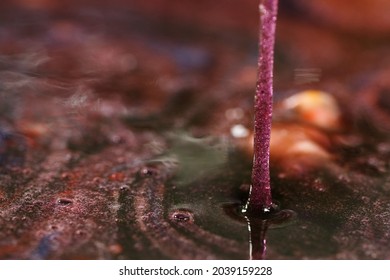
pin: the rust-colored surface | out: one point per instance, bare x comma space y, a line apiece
125, 130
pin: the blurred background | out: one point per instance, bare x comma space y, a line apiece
126, 128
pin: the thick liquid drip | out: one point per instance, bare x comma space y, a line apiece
258, 226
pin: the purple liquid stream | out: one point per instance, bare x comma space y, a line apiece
260, 199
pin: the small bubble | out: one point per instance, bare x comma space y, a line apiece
64, 201
145, 171
124, 187
319, 185
182, 216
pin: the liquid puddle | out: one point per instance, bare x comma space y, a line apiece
315, 223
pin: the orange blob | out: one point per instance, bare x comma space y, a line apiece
314, 107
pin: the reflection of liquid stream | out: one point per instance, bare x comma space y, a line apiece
258, 226
257, 240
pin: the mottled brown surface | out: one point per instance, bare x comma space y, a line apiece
115, 138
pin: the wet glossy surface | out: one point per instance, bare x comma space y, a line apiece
125, 138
